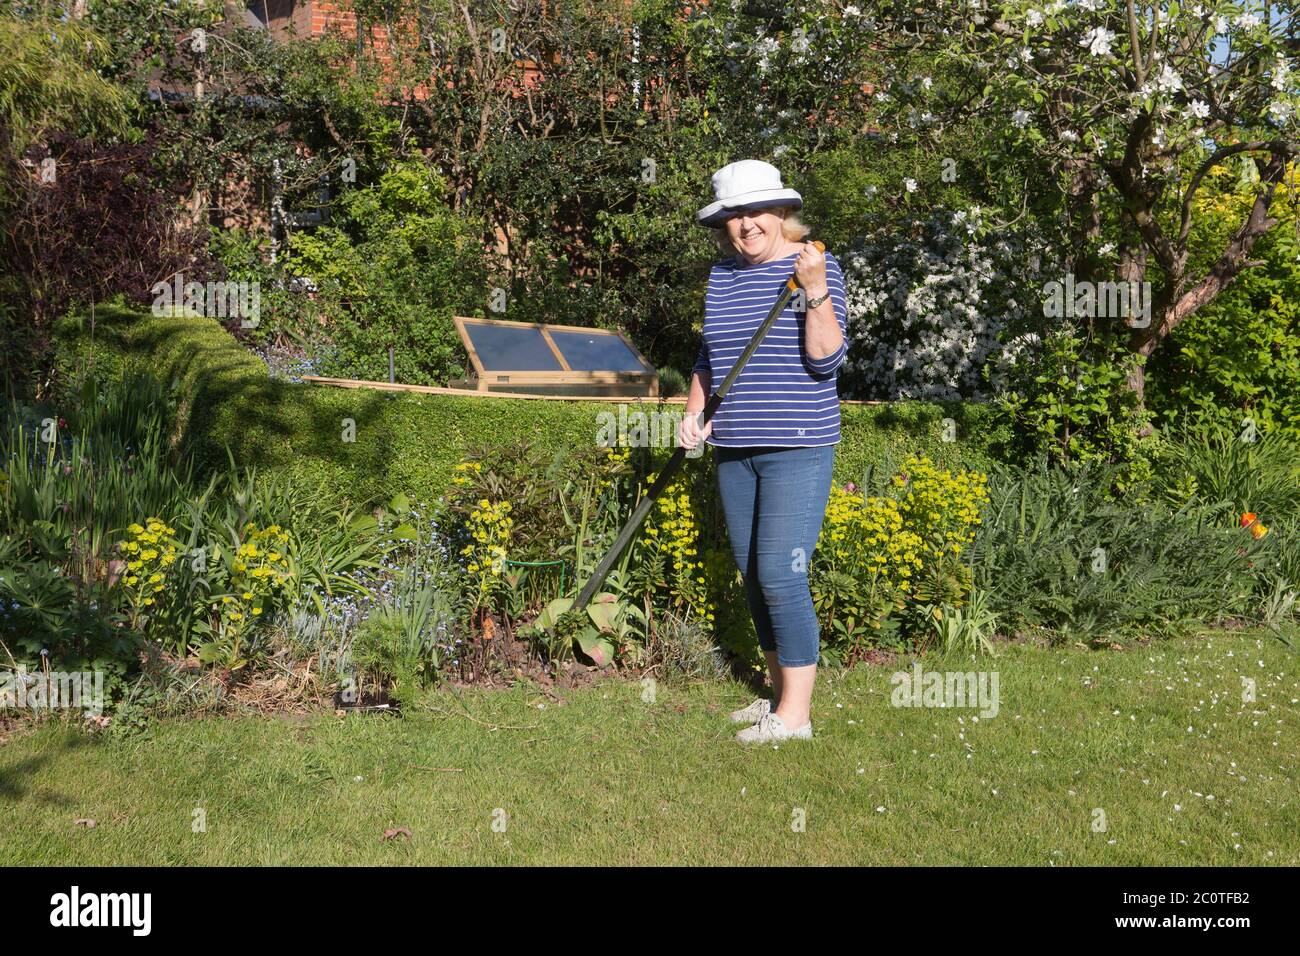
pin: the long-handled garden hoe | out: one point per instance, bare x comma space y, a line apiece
675, 462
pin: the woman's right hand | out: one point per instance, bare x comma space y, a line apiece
689, 432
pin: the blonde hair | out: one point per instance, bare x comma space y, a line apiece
792, 228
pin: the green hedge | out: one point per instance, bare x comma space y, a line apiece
410, 442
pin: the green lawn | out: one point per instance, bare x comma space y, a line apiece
1158, 738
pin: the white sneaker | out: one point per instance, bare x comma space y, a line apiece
750, 714
770, 729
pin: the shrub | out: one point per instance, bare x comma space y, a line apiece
961, 631
284, 310
148, 552
250, 579
1068, 399
75, 478
1057, 551
674, 550
684, 649
109, 540
861, 571
943, 506
407, 638
879, 554
1239, 355
104, 228
392, 267
411, 444
929, 301
1247, 469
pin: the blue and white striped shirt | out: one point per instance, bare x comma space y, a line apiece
782, 398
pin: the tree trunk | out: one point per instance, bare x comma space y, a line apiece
1177, 301
1084, 223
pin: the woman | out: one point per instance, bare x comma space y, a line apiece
774, 435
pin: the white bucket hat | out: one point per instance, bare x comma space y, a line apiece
746, 184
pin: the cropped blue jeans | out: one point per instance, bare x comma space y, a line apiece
774, 500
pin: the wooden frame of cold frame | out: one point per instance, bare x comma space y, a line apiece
552, 372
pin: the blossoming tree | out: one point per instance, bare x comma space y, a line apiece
1130, 105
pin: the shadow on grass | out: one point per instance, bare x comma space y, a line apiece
15, 777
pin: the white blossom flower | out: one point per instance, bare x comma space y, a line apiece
1199, 109
1220, 25
764, 48
1020, 119
1098, 41
1034, 18
910, 185
1279, 110
1069, 136
1247, 21
1090, 5
780, 151
1168, 81
1106, 249
852, 11
1281, 69
927, 82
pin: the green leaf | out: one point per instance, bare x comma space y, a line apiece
552, 613
598, 648
363, 523
605, 611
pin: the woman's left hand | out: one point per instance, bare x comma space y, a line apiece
810, 270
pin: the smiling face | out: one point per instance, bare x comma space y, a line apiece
757, 234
